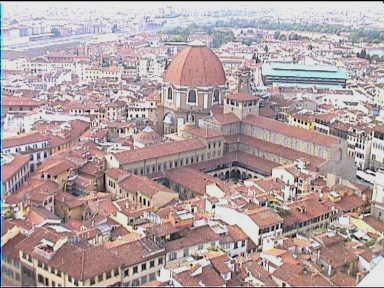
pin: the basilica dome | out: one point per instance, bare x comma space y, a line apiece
197, 66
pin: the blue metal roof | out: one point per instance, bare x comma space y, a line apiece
298, 70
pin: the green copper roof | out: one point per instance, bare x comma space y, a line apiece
298, 70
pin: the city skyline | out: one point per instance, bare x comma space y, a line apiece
324, 5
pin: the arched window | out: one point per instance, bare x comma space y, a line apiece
192, 97
216, 96
169, 93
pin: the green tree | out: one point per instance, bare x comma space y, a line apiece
369, 58
363, 53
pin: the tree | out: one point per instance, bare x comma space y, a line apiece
55, 32
369, 58
363, 53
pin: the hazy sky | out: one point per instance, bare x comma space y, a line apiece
198, 4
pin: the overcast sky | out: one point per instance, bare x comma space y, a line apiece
198, 4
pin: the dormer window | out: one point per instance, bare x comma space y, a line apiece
192, 97
170, 94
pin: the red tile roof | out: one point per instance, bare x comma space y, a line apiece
24, 140
115, 173
159, 150
265, 217
312, 209
241, 96
194, 180
224, 119
280, 150
193, 237
14, 167
195, 66
144, 185
17, 101
208, 277
207, 133
291, 131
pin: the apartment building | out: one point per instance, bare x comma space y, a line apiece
138, 189
16, 172
36, 145
20, 105
377, 150
45, 258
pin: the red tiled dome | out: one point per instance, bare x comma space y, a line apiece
195, 65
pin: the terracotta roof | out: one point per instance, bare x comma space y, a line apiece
82, 256
56, 167
241, 96
158, 150
195, 66
135, 183
193, 237
265, 217
207, 133
312, 209
349, 202
337, 255
35, 189
208, 277
194, 180
224, 119
280, 150
115, 173
343, 280
14, 167
17, 101
37, 215
219, 263
236, 233
374, 223
258, 163
295, 275
259, 273
69, 200
9, 249
327, 241
291, 131
166, 229
24, 140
